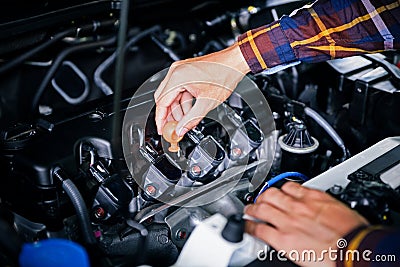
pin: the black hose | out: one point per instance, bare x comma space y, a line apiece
119, 75
79, 205
17, 61
329, 130
57, 62
106, 63
20, 59
81, 210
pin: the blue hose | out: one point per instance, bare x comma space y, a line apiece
279, 177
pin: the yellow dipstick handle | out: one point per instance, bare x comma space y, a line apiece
171, 136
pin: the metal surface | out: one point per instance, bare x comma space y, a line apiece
338, 174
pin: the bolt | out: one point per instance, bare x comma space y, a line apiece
195, 170
336, 189
99, 213
361, 175
181, 234
249, 198
151, 190
236, 152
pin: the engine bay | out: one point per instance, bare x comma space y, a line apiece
82, 160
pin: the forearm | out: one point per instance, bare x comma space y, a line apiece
323, 31
231, 57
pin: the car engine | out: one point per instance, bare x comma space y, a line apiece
81, 158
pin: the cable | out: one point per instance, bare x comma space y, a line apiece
119, 76
165, 49
15, 62
107, 63
60, 58
280, 177
328, 129
99, 71
78, 203
69, 99
20, 59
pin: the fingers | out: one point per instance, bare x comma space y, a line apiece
160, 117
194, 116
164, 98
182, 105
265, 232
298, 191
170, 117
294, 199
186, 102
177, 93
163, 106
278, 199
163, 110
294, 189
177, 112
267, 213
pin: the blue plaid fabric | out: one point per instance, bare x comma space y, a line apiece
324, 30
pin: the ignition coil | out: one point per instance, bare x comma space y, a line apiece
205, 159
245, 140
162, 173
113, 194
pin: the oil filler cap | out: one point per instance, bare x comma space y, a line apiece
234, 229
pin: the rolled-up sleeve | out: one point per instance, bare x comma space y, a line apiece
324, 30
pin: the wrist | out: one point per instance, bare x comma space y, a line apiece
231, 56
235, 58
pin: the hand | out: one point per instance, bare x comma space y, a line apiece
299, 218
209, 80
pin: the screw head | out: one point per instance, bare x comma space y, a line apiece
99, 213
236, 152
151, 189
181, 234
249, 198
195, 170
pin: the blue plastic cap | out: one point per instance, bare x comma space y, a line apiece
53, 252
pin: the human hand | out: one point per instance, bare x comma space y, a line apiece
298, 218
209, 80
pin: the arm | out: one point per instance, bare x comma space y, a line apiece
323, 31
314, 33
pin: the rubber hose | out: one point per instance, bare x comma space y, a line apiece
50, 73
328, 129
20, 59
81, 210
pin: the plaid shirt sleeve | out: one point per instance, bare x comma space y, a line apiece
325, 30
375, 246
